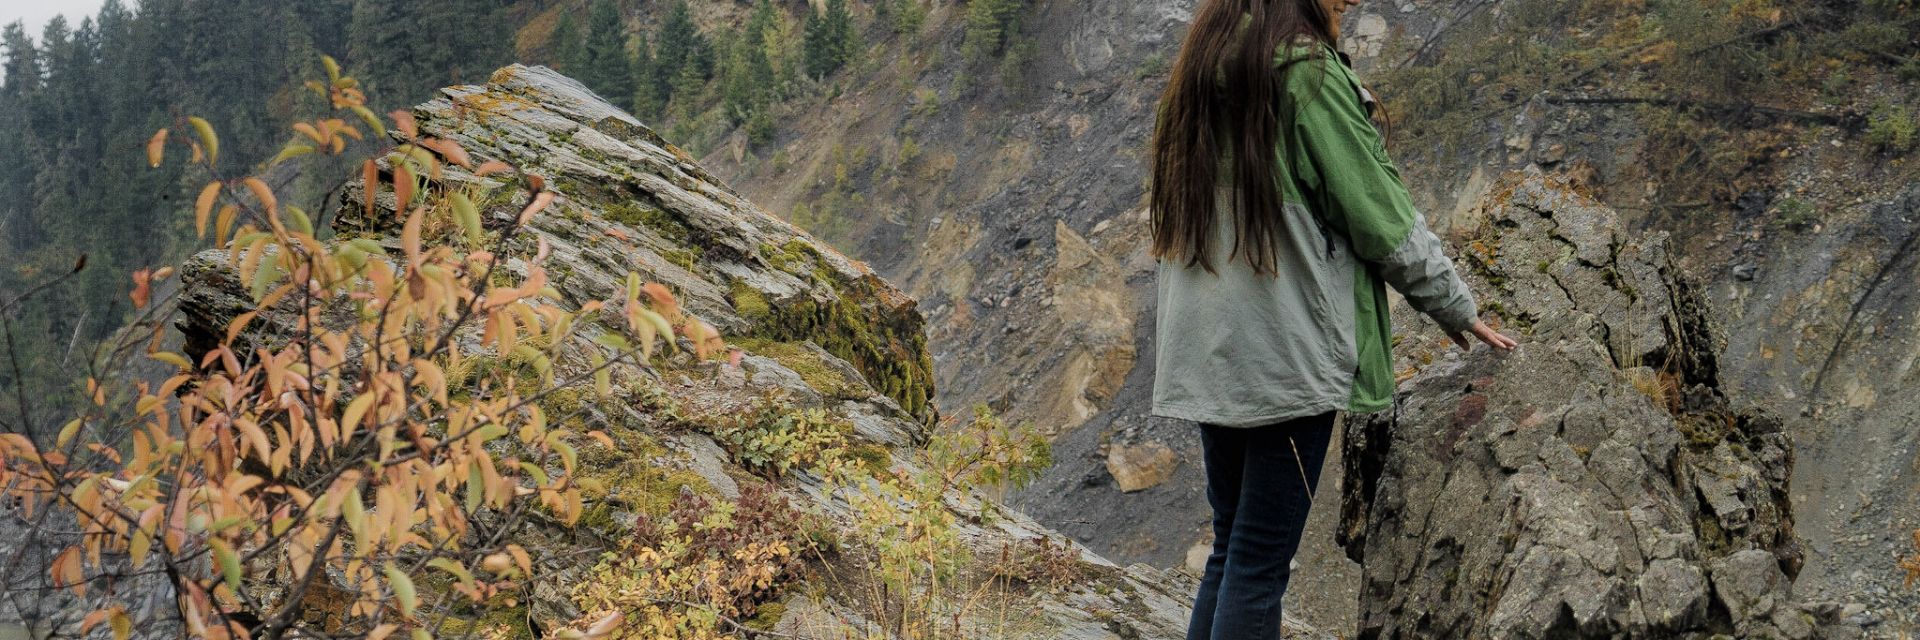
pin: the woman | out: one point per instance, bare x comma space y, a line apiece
1278, 221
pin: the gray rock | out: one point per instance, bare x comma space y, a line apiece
1596, 483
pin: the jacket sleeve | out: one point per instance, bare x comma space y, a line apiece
1343, 169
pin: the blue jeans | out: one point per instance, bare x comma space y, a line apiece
1260, 482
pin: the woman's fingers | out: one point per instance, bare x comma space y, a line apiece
1493, 338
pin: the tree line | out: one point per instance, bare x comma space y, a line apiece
77, 97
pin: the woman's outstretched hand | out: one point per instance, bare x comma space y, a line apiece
1485, 334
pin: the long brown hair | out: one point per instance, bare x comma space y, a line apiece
1224, 93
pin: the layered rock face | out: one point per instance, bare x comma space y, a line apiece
818, 329
1594, 483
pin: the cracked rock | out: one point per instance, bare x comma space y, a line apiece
1596, 483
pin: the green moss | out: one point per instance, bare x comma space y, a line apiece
683, 258
630, 477
500, 622
659, 220
826, 380
876, 459
749, 302
767, 616
564, 402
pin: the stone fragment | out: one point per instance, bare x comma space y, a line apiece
1141, 467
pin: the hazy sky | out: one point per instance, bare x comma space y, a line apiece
36, 13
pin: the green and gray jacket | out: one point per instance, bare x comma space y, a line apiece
1239, 349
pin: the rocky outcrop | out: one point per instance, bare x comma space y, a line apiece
1595, 483
819, 330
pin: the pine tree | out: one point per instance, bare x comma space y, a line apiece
830, 39
569, 52
911, 15
608, 71
886, 16
682, 50
648, 97
990, 24
23, 71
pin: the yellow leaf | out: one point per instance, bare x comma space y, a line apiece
449, 566
333, 68
67, 433
207, 138
402, 590
203, 207
350, 419
290, 152
121, 624
381, 632
174, 359
602, 377
301, 222
468, 216
373, 122
156, 147
137, 548
229, 563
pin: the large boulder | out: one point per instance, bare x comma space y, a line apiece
1594, 483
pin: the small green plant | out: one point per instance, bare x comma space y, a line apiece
1794, 213
1892, 128
697, 572
1153, 65
776, 438
925, 575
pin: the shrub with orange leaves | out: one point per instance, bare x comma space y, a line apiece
332, 456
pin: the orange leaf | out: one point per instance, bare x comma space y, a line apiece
142, 290
403, 119
223, 224
402, 187
310, 132
540, 201
448, 149
491, 167
263, 194
65, 568
410, 237
370, 183
521, 558
662, 299
156, 147
203, 206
